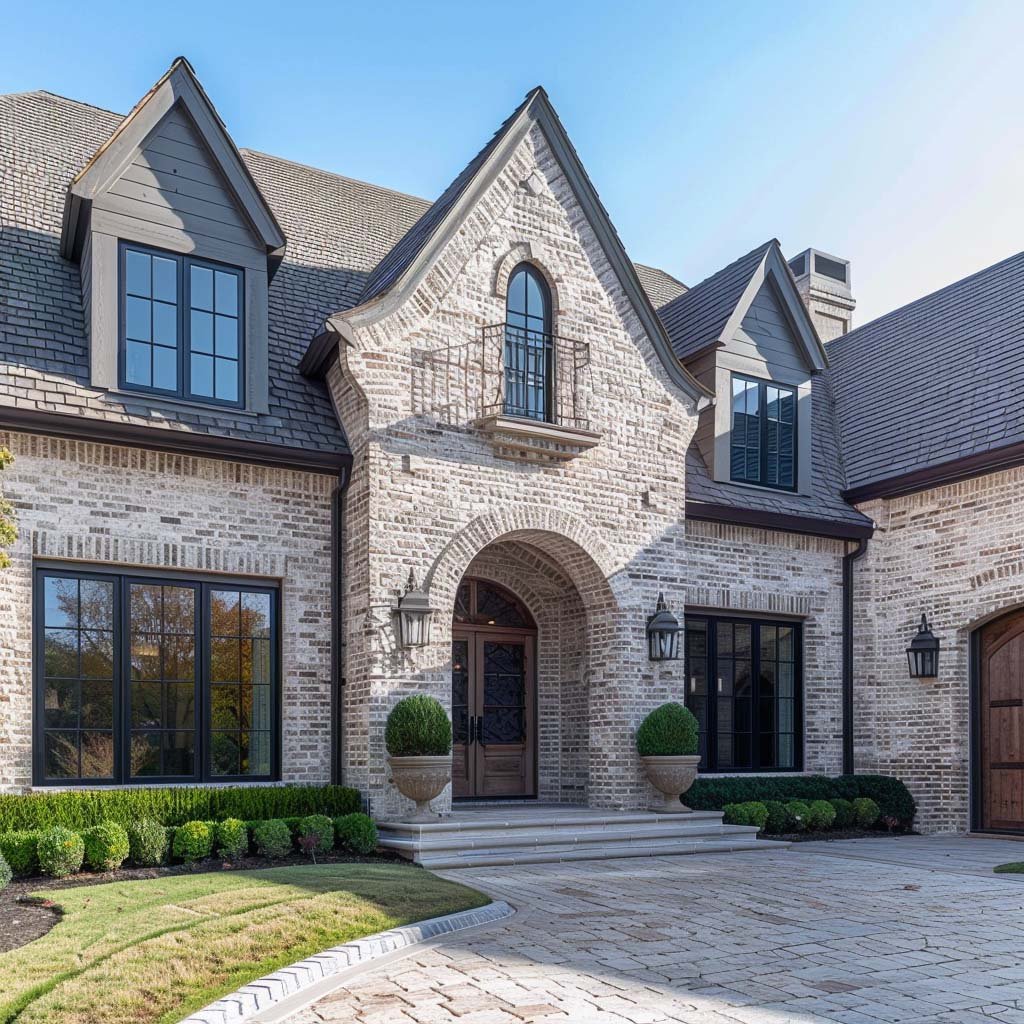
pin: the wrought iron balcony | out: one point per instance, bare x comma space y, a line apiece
533, 389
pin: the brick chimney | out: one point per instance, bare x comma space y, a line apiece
824, 284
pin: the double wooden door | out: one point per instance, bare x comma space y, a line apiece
493, 697
1001, 714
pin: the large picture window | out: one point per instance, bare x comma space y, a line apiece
763, 438
743, 684
181, 326
146, 679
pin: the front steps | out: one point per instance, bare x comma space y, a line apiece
496, 835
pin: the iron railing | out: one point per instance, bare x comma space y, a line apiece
533, 375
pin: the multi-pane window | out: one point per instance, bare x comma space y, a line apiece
763, 433
743, 686
529, 345
181, 327
141, 679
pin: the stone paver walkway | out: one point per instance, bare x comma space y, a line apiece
882, 930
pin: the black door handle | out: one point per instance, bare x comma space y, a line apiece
480, 730
472, 723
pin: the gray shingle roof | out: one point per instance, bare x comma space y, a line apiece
661, 287
934, 381
44, 365
697, 318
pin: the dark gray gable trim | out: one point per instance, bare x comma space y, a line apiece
178, 85
537, 109
784, 522
178, 442
775, 271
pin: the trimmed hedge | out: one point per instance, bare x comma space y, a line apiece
82, 809
61, 852
232, 839
272, 839
147, 842
6, 874
752, 813
356, 833
320, 828
193, 841
891, 796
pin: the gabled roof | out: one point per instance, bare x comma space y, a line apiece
930, 393
178, 86
710, 312
661, 287
402, 268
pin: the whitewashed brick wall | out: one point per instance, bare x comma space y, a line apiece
103, 504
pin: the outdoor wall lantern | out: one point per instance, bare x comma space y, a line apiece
923, 653
413, 612
663, 633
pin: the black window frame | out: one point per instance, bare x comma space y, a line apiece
122, 579
519, 340
709, 752
762, 415
183, 338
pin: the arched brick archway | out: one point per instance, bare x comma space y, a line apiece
613, 665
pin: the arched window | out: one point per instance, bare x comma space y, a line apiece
528, 345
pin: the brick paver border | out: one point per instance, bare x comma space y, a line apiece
336, 964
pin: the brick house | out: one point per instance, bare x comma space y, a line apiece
251, 403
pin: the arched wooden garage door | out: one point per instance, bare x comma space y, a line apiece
1001, 720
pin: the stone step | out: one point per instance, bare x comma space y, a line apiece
539, 822
566, 837
593, 851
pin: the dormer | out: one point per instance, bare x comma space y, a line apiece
745, 334
176, 246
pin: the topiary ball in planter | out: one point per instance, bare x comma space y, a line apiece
418, 737
667, 744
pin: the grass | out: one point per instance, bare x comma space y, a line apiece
1015, 867
151, 951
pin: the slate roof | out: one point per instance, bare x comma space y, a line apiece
696, 318
660, 286
935, 381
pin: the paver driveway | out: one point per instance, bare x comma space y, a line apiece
913, 929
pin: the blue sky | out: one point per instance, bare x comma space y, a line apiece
889, 134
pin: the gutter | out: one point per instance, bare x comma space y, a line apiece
338, 622
848, 559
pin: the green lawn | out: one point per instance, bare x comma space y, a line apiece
156, 949
1015, 867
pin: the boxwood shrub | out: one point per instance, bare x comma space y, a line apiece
147, 842
779, 818
19, 849
356, 833
272, 838
106, 846
820, 815
866, 811
890, 794
5, 873
845, 815
799, 815
417, 726
668, 730
61, 852
171, 806
232, 838
751, 813
320, 827
193, 841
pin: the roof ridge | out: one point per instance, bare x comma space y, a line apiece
65, 99
332, 174
841, 341
758, 249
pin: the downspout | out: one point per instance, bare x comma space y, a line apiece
848, 559
337, 621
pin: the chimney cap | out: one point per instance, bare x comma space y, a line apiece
817, 263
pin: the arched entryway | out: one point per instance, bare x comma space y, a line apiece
999, 724
494, 693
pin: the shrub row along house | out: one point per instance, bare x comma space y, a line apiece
289, 446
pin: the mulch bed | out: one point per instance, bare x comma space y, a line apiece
833, 835
23, 919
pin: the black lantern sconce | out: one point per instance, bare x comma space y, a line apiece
923, 653
413, 612
663, 633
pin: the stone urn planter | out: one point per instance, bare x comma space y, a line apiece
672, 775
418, 737
421, 779
667, 744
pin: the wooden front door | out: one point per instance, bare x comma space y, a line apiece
1001, 711
492, 713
